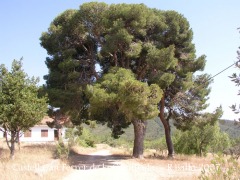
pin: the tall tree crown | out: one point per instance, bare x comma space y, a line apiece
156, 45
20, 106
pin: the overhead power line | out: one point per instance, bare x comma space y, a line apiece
223, 70
212, 77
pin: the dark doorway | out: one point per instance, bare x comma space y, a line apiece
56, 135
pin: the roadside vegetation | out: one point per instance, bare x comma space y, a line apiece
33, 161
60, 154
199, 141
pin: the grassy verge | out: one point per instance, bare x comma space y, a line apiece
33, 161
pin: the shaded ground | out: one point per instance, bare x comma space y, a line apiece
98, 165
98, 159
102, 164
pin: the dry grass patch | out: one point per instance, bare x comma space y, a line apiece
160, 167
156, 159
33, 161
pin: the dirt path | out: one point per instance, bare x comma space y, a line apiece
100, 165
105, 166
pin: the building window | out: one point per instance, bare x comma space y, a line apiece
28, 133
44, 133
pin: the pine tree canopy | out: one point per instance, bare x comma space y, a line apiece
155, 45
120, 92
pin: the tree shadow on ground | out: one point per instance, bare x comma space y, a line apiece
88, 162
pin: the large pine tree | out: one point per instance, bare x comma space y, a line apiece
156, 45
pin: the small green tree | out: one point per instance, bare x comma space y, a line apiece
131, 100
20, 106
201, 140
221, 142
236, 79
203, 137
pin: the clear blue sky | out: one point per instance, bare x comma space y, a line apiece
214, 25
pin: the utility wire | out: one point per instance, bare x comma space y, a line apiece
223, 70
212, 77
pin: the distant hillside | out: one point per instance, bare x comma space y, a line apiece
230, 127
155, 130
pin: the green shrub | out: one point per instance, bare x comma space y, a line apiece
62, 150
223, 168
119, 142
157, 144
86, 139
80, 136
201, 140
122, 142
106, 139
72, 134
220, 143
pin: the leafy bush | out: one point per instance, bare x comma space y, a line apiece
76, 136
86, 139
223, 168
234, 151
72, 134
220, 143
201, 140
79, 136
106, 139
157, 144
62, 151
113, 142
121, 142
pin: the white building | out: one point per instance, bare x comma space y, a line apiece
40, 133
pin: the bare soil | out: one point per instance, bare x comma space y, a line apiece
106, 163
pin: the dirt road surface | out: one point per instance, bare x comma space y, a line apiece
103, 165
100, 165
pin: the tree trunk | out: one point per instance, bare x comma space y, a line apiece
167, 129
6, 137
12, 147
139, 133
201, 152
18, 140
